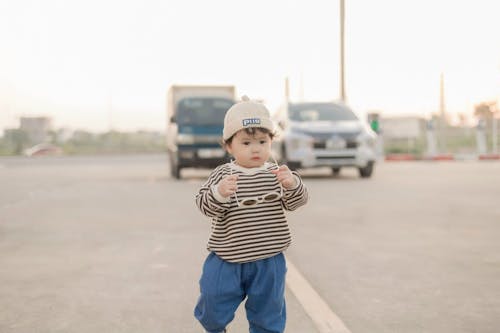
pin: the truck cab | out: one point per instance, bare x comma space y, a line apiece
195, 124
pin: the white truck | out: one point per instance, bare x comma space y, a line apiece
195, 119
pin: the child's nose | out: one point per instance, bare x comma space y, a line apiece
256, 148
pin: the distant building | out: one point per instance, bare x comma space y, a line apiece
403, 127
37, 128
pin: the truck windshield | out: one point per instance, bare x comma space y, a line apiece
202, 111
320, 112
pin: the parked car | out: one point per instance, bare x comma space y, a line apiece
43, 149
324, 134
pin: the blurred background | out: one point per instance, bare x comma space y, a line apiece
92, 76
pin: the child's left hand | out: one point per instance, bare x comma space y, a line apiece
285, 177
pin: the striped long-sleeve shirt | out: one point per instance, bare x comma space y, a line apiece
244, 234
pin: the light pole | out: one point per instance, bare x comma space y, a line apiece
494, 131
110, 109
342, 21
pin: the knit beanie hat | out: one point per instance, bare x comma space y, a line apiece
246, 114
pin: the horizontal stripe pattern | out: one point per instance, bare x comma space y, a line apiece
244, 234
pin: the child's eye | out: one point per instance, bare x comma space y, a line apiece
246, 143
262, 142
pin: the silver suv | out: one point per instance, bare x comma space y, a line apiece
324, 134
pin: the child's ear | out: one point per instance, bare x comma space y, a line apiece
228, 148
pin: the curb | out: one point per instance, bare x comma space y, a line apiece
400, 157
441, 157
489, 157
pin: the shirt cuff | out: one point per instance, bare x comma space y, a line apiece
297, 183
218, 196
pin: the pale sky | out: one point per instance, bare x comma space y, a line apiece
76, 60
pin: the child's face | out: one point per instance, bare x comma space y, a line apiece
250, 150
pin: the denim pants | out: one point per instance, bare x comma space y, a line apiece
224, 285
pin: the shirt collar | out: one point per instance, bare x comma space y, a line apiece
240, 168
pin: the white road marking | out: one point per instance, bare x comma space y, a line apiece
322, 316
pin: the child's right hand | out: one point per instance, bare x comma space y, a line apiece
227, 186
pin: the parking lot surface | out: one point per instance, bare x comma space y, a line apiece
112, 244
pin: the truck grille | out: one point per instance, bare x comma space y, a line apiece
207, 139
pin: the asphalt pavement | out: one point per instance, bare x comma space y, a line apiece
112, 244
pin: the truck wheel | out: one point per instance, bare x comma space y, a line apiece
367, 171
175, 169
176, 172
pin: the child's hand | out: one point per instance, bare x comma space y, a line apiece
227, 186
285, 177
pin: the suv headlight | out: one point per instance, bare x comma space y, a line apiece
366, 139
185, 139
300, 141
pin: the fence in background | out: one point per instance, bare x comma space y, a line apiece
422, 138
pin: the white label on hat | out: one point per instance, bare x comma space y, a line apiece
251, 121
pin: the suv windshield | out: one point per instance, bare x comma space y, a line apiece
202, 111
320, 112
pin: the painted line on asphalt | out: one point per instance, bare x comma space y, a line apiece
325, 320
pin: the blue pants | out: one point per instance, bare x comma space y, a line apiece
224, 285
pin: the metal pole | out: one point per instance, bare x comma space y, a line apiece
301, 87
443, 120
342, 21
110, 110
287, 90
494, 134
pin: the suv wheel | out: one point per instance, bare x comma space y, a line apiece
367, 171
284, 160
335, 171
